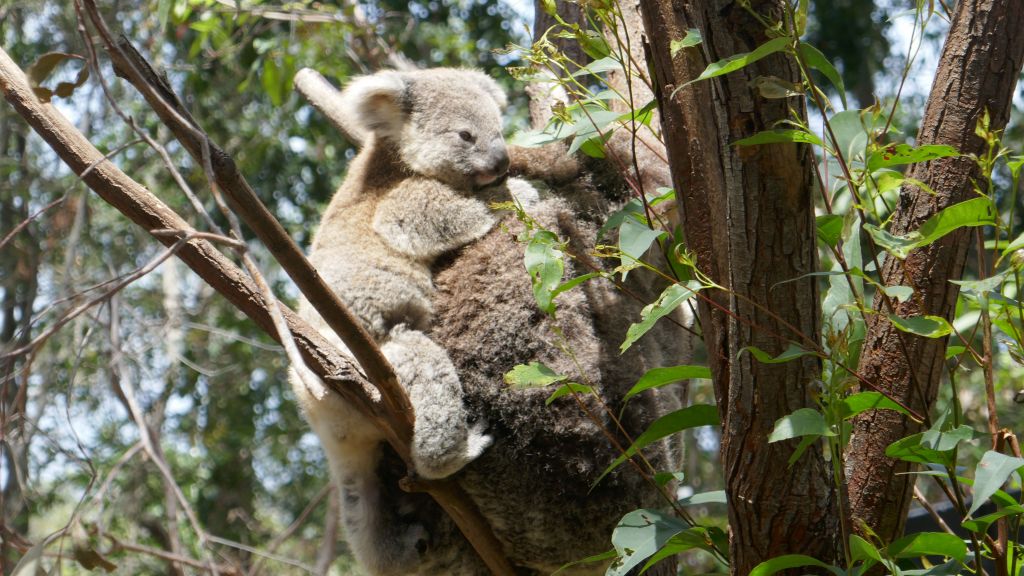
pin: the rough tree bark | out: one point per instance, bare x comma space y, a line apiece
748, 216
978, 69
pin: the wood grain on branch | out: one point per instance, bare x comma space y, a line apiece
392, 415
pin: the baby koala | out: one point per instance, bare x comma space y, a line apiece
432, 156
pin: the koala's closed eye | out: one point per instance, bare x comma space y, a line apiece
467, 136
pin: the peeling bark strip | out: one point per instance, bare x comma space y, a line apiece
143, 208
978, 70
748, 217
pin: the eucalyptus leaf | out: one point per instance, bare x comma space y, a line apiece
737, 61
780, 135
657, 377
927, 326
855, 404
639, 535
543, 261
532, 375
992, 472
671, 423
780, 563
928, 544
792, 352
670, 299
818, 61
830, 229
568, 390
900, 154
802, 422
692, 38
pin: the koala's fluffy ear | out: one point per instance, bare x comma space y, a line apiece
492, 88
376, 103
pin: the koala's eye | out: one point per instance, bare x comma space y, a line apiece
467, 136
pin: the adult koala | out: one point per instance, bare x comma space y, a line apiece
534, 483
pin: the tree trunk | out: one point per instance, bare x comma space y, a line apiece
749, 219
977, 71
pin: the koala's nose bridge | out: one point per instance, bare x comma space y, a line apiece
499, 155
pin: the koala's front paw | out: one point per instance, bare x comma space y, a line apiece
441, 465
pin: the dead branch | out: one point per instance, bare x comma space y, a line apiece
394, 414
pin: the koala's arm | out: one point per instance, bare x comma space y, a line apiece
424, 218
443, 439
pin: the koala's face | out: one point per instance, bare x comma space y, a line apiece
445, 123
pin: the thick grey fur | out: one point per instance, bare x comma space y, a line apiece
412, 197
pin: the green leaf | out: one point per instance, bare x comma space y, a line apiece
543, 260
946, 440
781, 563
802, 422
635, 238
993, 470
663, 478
780, 135
672, 423
899, 154
602, 65
981, 287
910, 449
634, 209
979, 211
817, 61
639, 535
657, 377
830, 229
592, 147
800, 18
737, 61
898, 246
532, 375
862, 550
900, 293
927, 326
602, 557
711, 497
928, 544
573, 282
854, 404
593, 43
533, 138
792, 352
693, 537
775, 88
952, 351
566, 390
670, 299
982, 523
692, 38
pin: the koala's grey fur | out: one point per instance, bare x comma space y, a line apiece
417, 190
534, 483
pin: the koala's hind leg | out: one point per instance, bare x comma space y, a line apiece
443, 440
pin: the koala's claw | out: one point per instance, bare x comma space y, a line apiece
477, 441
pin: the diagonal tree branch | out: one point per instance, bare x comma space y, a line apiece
143, 208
